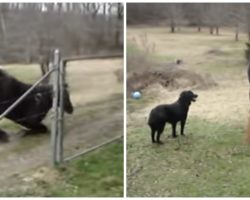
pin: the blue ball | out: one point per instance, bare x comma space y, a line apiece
136, 95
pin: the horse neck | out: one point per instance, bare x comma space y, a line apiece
19, 86
45, 90
46, 95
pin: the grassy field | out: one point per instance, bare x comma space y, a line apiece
98, 116
98, 174
213, 159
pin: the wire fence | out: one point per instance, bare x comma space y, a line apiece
88, 139
66, 146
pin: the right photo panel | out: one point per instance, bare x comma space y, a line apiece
188, 73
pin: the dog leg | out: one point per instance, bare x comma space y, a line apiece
153, 135
183, 122
174, 130
159, 132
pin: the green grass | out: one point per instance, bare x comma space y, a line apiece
98, 174
134, 104
212, 160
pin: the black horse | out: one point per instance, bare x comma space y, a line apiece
33, 109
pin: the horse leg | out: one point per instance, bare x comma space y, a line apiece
4, 137
35, 127
41, 128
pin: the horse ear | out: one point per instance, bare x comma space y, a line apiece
38, 98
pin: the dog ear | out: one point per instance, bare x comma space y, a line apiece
183, 94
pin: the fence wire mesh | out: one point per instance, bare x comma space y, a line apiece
97, 95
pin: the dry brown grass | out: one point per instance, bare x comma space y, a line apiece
226, 102
93, 80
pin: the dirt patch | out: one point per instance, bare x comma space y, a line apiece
93, 80
217, 52
172, 78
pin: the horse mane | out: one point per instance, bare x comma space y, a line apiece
14, 87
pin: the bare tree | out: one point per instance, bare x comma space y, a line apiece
75, 28
247, 19
174, 15
215, 16
119, 23
235, 15
3, 15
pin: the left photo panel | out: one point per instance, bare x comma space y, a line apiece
61, 99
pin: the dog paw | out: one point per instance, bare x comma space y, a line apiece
160, 142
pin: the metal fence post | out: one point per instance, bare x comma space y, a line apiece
61, 112
54, 124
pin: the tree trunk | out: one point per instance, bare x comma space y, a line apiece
211, 29
237, 34
118, 25
3, 27
172, 29
117, 38
172, 26
217, 30
199, 28
28, 51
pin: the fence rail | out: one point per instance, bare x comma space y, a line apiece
90, 57
93, 148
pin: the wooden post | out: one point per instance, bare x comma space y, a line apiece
61, 112
54, 124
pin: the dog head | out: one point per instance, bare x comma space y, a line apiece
186, 97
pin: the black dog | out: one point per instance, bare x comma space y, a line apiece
171, 113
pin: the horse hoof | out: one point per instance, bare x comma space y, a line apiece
4, 137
